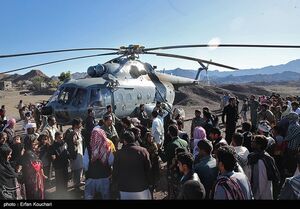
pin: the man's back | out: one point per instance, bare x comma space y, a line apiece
261, 186
207, 171
171, 147
237, 186
231, 114
131, 168
191, 187
157, 130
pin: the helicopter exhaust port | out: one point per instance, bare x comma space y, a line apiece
96, 71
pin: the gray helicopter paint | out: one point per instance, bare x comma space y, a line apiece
133, 84
131, 93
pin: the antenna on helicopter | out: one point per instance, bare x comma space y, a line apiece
203, 67
207, 78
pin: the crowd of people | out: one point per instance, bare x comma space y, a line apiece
122, 158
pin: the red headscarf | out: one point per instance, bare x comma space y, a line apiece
100, 145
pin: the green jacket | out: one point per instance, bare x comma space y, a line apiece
169, 152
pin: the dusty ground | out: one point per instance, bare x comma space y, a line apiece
11, 100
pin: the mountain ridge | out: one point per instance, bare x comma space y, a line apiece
284, 72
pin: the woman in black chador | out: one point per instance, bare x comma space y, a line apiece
8, 176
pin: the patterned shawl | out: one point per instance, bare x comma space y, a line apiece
100, 146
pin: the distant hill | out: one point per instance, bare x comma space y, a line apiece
277, 77
8, 77
36, 73
202, 95
285, 72
31, 76
292, 66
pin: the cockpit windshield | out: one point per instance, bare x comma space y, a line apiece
54, 97
65, 95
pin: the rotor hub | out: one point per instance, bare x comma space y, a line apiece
132, 50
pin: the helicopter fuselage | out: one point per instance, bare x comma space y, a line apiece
76, 96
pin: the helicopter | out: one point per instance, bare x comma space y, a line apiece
124, 82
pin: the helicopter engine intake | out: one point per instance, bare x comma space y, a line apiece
96, 71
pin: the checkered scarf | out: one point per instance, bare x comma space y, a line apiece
100, 146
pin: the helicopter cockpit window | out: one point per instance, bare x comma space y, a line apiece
95, 98
106, 96
80, 97
65, 95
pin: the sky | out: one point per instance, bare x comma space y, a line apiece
38, 25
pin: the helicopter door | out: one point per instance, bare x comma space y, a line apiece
79, 102
124, 102
99, 99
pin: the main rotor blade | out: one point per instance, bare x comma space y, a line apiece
63, 60
223, 45
191, 58
56, 51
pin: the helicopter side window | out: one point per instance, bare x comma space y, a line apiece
80, 97
139, 96
66, 95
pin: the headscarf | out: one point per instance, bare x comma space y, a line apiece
100, 146
135, 121
9, 123
4, 152
7, 175
264, 126
199, 133
29, 125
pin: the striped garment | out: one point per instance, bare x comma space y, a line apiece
232, 189
100, 146
293, 136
